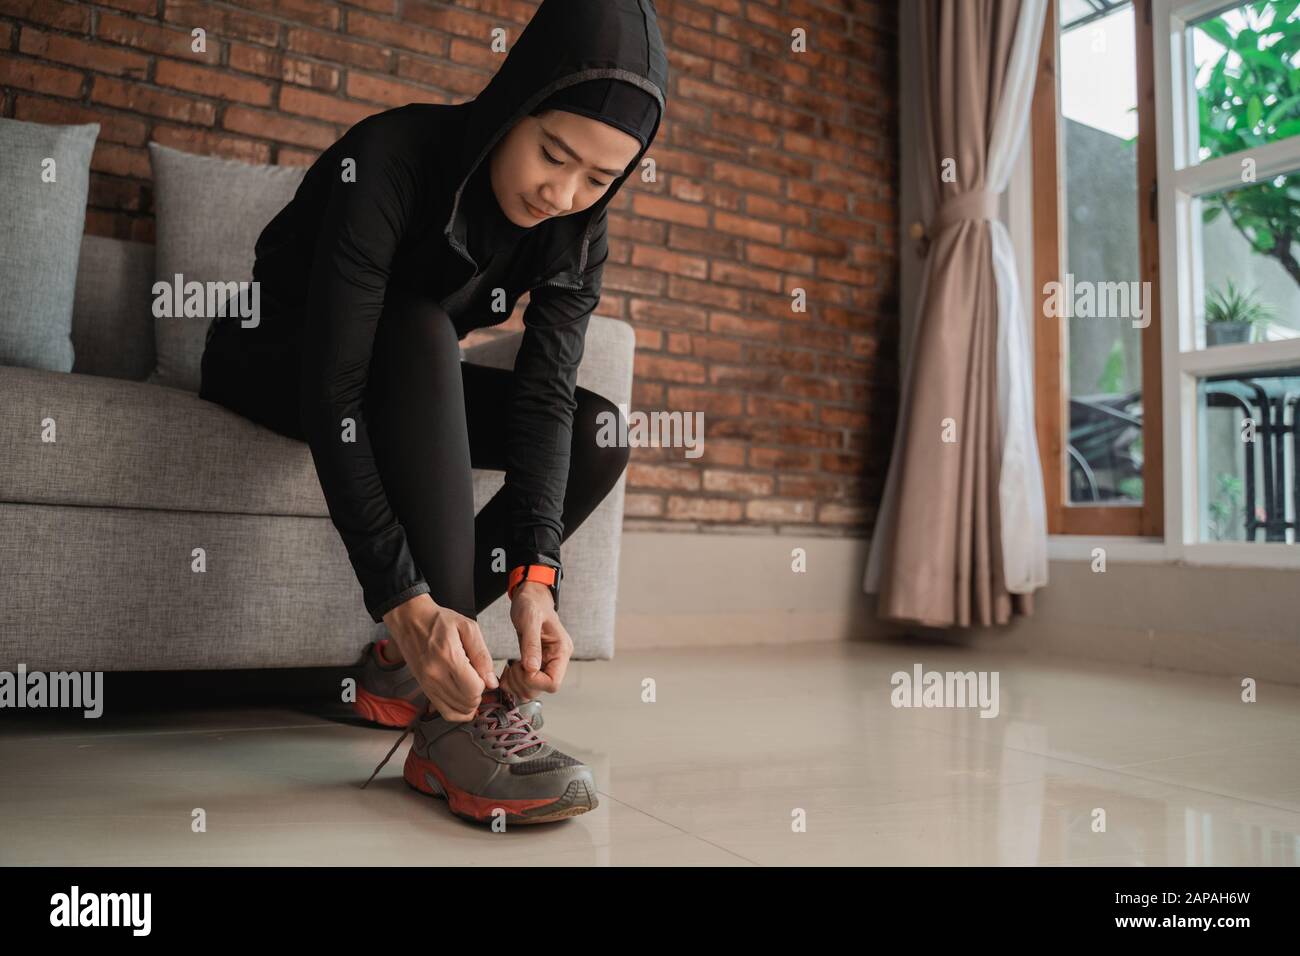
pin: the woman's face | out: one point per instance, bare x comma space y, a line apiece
558, 163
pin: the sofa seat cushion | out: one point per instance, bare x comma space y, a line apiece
123, 444
131, 444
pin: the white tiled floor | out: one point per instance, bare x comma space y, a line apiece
711, 772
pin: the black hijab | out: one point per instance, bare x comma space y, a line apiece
567, 42
490, 229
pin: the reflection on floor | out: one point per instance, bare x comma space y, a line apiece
749, 755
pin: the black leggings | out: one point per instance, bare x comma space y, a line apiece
431, 419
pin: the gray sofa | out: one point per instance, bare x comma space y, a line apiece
99, 529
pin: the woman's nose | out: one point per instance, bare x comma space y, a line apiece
562, 201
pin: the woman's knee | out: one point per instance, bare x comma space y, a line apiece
598, 433
416, 328
416, 357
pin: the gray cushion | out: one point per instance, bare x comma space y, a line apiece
40, 239
112, 317
124, 444
209, 213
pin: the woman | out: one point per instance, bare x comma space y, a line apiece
419, 225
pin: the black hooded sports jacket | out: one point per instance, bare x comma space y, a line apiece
340, 244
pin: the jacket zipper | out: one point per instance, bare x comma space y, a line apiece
464, 254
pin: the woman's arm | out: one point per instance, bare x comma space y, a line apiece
539, 434
362, 226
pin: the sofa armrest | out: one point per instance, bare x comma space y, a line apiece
591, 554
495, 353
607, 357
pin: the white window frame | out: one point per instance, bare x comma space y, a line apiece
1180, 180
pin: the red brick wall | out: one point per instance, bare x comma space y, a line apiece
776, 170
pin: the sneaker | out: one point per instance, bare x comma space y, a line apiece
389, 695
496, 761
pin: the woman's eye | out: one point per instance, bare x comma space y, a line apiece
559, 162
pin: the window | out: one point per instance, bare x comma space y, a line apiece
1166, 159
1228, 109
1097, 344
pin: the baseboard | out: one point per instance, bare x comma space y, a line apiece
724, 589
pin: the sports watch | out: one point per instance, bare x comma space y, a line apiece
547, 574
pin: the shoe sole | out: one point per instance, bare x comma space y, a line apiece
389, 711
426, 777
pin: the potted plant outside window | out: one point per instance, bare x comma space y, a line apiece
1231, 314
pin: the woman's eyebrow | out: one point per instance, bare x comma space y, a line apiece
569, 149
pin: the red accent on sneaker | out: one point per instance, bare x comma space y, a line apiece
479, 808
390, 711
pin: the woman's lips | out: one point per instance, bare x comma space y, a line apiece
534, 210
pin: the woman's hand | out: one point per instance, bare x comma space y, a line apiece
445, 652
544, 644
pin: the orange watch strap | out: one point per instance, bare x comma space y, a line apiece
541, 573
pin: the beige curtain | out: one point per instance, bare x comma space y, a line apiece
963, 509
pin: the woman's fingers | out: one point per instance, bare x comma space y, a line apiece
456, 685
511, 683
553, 672
477, 652
530, 642
444, 692
557, 647
450, 712
525, 686
455, 679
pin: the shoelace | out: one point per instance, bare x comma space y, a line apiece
498, 718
